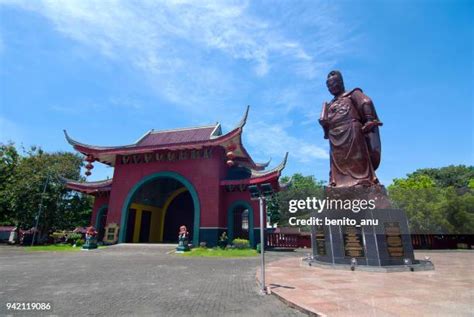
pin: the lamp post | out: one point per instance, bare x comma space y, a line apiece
261, 193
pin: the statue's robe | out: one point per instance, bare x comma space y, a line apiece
354, 155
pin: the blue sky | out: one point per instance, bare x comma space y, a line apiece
108, 71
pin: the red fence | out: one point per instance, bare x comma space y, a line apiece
442, 241
419, 241
288, 240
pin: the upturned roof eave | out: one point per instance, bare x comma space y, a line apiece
88, 187
258, 177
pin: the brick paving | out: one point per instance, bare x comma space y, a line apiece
446, 291
131, 280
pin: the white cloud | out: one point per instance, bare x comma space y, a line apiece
202, 54
274, 141
171, 41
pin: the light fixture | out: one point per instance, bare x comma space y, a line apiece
353, 264
254, 191
266, 189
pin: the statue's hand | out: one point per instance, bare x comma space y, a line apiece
370, 125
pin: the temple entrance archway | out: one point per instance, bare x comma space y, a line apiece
240, 221
155, 208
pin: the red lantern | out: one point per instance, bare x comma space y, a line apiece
89, 166
230, 155
89, 158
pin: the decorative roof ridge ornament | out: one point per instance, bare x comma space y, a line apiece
244, 118
153, 131
217, 132
144, 136
277, 168
263, 165
287, 184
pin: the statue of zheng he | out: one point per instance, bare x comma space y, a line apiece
351, 124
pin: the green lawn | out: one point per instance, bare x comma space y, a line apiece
227, 253
55, 248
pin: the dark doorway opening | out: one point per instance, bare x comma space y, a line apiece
180, 212
241, 222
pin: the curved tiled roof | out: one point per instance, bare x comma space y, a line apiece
88, 187
178, 136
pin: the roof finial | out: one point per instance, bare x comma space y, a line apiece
244, 118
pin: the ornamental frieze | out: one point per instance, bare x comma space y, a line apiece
169, 156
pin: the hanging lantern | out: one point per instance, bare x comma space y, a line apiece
230, 163
230, 155
89, 158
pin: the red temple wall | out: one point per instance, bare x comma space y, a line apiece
232, 197
99, 201
204, 174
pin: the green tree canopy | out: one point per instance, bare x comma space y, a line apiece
458, 176
436, 200
301, 187
23, 180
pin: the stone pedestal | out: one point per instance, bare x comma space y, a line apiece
90, 244
182, 245
384, 241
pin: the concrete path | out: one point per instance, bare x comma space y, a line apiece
446, 291
131, 280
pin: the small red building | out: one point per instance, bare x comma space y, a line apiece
192, 176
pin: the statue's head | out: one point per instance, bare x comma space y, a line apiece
335, 83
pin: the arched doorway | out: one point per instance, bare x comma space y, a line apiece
178, 212
155, 208
240, 221
100, 221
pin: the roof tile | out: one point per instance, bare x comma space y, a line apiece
177, 136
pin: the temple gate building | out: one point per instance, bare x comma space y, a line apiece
192, 176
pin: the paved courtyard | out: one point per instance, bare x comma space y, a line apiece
126, 280
446, 291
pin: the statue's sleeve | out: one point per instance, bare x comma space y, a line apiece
364, 105
323, 119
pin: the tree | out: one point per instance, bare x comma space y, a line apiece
27, 177
436, 200
9, 159
301, 187
458, 176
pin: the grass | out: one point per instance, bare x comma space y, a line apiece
224, 253
54, 248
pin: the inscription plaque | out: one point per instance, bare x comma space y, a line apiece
353, 243
394, 239
320, 241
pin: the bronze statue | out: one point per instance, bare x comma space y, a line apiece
351, 124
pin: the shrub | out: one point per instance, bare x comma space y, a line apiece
79, 242
73, 237
241, 243
57, 236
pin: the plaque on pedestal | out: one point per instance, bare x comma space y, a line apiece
353, 242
